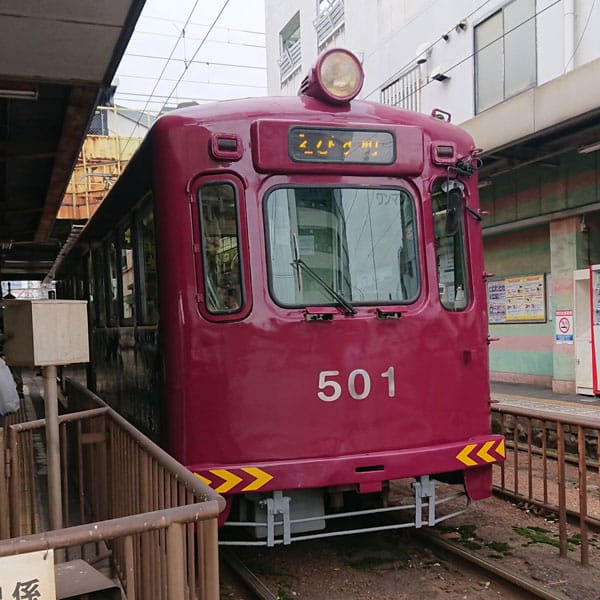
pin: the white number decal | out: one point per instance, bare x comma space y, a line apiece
336, 388
389, 375
352, 384
332, 389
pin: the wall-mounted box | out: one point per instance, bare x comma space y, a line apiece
45, 332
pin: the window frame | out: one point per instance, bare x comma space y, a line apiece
113, 309
243, 255
121, 292
462, 230
290, 54
382, 185
142, 312
99, 266
500, 11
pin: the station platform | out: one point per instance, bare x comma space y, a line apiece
544, 399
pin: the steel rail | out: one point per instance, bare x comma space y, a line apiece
248, 578
522, 583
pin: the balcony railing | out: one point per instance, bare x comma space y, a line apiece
405, 91
290, 61
329, 22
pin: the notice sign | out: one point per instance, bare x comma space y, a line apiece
564, 326
517, 299
28, 576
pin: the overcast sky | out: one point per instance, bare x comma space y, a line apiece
202, 50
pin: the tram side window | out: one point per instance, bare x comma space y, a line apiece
89, 267
220, 248
100, 284
113, 297
127, 274
450, 252
148, 275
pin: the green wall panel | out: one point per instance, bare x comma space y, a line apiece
522, 362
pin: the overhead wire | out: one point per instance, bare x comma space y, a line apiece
474, 53
175, 46
208, 63
199, 47
227, 42
411, 61
180, 37
587, 22
169, 20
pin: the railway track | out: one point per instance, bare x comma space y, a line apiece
522, 587
528, 588
251, 583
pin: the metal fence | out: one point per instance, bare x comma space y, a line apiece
404, 91
552, 462
123, 498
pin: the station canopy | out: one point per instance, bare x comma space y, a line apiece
57, 60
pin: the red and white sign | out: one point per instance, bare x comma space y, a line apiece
564, 326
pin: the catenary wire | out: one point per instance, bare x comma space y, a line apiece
475, 53
410, 62
181, 36
587, 22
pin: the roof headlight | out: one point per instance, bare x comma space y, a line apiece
336, 77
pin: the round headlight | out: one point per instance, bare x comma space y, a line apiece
336, 77
341, 74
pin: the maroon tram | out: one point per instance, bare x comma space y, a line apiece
288, 293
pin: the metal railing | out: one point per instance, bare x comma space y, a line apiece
552, 461
404, 91
123, 497
290, 61
329, 22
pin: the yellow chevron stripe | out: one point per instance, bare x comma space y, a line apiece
261, 478
483, 453
501, 450
230, 480
464, 457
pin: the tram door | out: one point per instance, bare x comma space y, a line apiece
584, 380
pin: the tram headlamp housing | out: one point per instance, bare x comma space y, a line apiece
336, 77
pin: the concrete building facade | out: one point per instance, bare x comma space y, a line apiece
523, 77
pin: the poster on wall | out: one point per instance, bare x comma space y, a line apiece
496, 298
520, 299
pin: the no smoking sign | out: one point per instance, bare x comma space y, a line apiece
564, 326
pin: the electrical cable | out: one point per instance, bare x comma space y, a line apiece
164, 69
475, 53
587, 22
208, 63
409, 63
185, 69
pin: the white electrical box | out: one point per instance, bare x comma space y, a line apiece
45, 332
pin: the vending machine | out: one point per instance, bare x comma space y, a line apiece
595, 306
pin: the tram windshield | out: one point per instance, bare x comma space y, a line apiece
360, 242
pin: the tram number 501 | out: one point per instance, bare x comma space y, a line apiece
358, 384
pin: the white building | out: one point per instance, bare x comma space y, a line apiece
523, 77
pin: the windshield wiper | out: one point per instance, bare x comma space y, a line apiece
298, 263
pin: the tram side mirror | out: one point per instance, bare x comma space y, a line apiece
454, 205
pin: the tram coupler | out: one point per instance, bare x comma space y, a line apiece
278, 505
424, 487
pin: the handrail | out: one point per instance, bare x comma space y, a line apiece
549, 450
158, 520
548, 415
195, 485
110, 529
